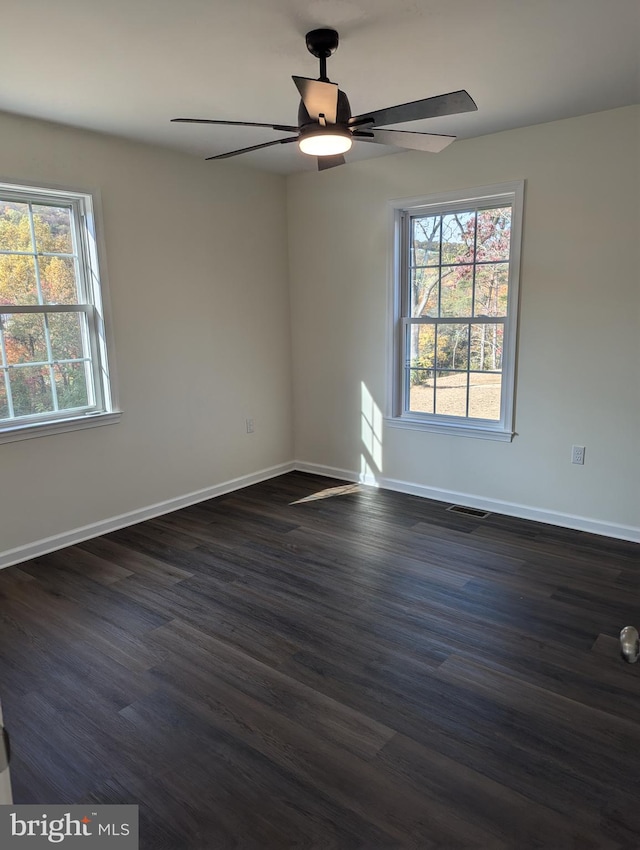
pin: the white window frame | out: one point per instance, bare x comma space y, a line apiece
401, 211
102, 408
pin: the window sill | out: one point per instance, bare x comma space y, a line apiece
44, 429
450, 428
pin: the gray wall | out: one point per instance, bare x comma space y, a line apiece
200, 297
579, 343
197, 271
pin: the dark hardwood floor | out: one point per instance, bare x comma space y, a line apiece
309, 664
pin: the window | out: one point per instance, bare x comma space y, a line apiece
54, 371
456, 262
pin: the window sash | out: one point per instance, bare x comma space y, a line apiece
408, 367
89, 359
88, 305
451, 320
404, 212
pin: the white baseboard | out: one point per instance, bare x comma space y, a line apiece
77, 535
579, 523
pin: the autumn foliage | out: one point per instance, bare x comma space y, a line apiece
459, 267
42, 365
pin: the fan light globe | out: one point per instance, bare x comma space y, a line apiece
325, 144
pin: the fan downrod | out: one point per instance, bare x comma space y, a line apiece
322, 43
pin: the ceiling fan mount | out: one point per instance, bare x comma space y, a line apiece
322, 43
326, 129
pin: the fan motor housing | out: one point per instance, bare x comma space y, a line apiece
343, 112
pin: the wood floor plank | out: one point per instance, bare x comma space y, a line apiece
487, 803
195, 655
136, 562
309, 663
562, 720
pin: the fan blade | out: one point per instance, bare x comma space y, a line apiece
319, 98
253, 148
284, 127
431, 107
430, 142
325, 162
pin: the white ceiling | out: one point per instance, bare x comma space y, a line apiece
127, 66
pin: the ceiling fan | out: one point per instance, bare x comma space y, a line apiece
326, 129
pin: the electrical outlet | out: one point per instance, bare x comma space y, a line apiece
577, 454
249, 424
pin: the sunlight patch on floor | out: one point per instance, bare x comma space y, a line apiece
344, 490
